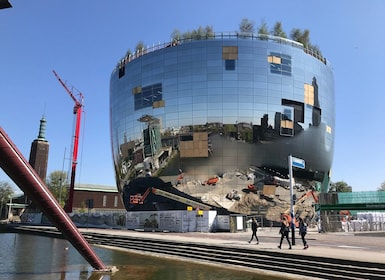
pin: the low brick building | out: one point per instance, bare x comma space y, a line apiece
98, 197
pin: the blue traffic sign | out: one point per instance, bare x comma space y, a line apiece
298, 162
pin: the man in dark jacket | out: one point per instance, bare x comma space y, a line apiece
254, 228
284, 231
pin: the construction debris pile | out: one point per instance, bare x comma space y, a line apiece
245, 194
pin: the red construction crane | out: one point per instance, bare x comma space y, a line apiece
78, 112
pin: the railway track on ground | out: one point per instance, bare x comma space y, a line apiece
258, 259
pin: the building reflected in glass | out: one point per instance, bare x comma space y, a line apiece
226, 105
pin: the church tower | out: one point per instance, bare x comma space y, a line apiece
38, 157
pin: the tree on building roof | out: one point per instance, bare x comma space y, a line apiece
278, 31
263, 29
246, 26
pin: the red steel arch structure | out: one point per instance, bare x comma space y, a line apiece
21, 172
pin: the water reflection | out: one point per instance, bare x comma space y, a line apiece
36, 257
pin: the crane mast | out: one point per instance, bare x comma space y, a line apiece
77, 111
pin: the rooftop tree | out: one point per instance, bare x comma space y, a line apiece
263, 30
246, 26
278, 31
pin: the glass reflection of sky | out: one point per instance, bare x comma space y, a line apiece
197, 90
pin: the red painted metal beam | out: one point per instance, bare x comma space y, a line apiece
78, 111
21, 172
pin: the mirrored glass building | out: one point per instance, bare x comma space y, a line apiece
228, 106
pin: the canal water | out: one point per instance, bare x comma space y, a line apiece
33, 257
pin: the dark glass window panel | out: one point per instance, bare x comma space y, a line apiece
299, 116
283, 68
230, 64
148, 96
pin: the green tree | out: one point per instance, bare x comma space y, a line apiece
278, 31
246, 26
176, 36
139, 46
58, 185
263, 30
209, 30
128, 53
382, 187
199, 33
340, 186
300, 36
6, 193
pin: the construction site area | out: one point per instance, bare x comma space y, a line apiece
245, 194
224, 202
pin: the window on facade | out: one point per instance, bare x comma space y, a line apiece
299, 116
230, 64
279, 64
122, 70
316, 116
287, 114
116, 201
158, 104
148, 96
229, 55
310, 100
287, 124
309, 94
104, 200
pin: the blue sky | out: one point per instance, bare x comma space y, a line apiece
83, 41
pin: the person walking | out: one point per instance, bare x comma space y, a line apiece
254, 228
302, 232
284, 231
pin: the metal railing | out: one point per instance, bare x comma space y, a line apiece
215, 36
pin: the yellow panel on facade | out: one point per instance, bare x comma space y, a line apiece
230, 52
158, 104
287, 124
274, 59
137, 90
309, 94
277, 60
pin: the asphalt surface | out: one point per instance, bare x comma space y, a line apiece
357, 246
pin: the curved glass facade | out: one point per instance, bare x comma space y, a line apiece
198, 109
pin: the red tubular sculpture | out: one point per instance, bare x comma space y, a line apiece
20, 171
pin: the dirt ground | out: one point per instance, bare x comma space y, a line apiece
232, 192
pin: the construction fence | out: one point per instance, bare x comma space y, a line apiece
357, 222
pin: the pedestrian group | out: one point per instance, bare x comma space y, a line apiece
283, 231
